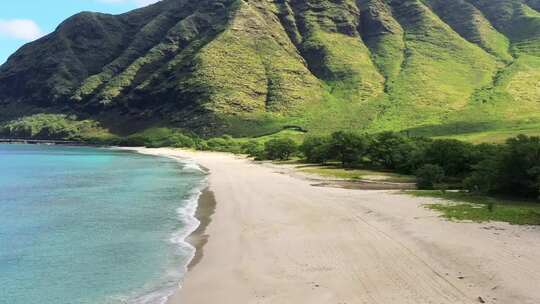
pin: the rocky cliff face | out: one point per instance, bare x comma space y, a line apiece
218, 66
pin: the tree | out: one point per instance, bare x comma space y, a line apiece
347, 147
429, 175
520, 166
387, 150
454, 156
281, 148
535, 171
316, 149
486, 175
414, 151
485, 178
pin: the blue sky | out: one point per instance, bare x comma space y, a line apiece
22, 21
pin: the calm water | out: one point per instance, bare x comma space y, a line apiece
90, 225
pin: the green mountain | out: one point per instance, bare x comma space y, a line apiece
467, 68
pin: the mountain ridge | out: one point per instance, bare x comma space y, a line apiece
250, 67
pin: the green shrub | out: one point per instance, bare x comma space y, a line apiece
455, 157
388, 150
161, 137
201, 145
520, 166
182, 141
348, 148
55, 127
217, 144
316, 149
429, 175
485, 177
253, 148
223, 144
511, 169
414, 151
281, 148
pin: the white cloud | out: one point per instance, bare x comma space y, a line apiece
138, 3
145, 2
23, 29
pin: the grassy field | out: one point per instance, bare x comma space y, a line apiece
335, 171
468, 207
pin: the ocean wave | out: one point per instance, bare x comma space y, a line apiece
186, 215
189, 165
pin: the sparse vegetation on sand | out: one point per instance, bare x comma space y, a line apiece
463, 206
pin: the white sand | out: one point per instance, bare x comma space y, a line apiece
275, 238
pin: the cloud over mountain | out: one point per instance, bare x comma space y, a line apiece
23, 29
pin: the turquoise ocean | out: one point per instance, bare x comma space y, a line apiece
93, 225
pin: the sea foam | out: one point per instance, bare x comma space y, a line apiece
189, 223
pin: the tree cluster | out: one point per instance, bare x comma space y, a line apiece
512, 168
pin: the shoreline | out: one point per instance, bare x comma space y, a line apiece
204, 210
277, 238
206, 207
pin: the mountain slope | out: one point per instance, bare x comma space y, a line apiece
249, 67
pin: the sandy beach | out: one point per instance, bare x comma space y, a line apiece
276, 238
